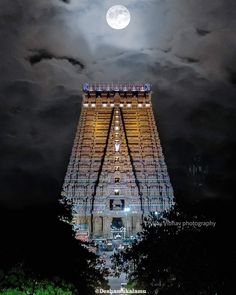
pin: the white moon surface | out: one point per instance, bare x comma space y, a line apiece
118, 17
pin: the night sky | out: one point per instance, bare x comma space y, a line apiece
186, 49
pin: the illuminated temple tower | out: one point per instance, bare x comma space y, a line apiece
117, 173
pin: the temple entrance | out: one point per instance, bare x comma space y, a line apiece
117, 228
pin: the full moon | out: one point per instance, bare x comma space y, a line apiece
118, 17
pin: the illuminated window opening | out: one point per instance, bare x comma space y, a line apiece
117, 192
117, 147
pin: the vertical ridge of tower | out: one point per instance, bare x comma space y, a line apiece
101, 166
132, 163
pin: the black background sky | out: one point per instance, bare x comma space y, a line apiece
185, 48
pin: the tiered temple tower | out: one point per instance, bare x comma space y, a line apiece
117, 173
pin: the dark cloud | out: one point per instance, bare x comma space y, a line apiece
41, 54
188, 59
65, 1
202, 32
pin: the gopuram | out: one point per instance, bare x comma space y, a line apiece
117, 173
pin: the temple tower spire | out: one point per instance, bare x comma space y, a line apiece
117, 172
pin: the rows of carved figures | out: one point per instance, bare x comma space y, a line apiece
150, 206
88, 87
117, 162
121, 105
